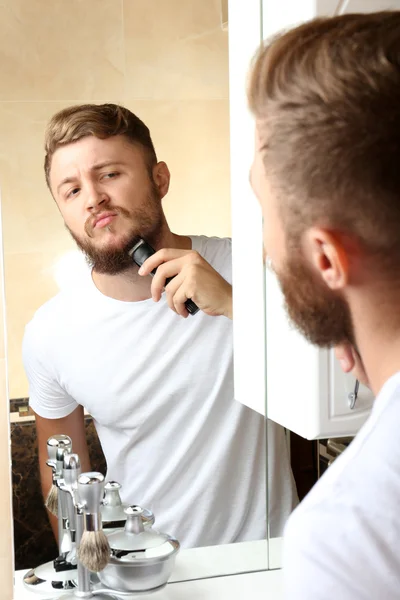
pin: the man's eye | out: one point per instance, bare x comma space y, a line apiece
112, 175
73, 192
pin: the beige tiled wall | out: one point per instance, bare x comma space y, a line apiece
167, 60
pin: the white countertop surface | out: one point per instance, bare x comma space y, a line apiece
264, 585
198, 575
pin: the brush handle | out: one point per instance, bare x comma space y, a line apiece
71, 472
58, 441
90, 491
58, 480
60, 523
83, 573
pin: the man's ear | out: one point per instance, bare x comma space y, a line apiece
161, 178
328, 257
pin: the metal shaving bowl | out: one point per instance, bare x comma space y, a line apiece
141, 559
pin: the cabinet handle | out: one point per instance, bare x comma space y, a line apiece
352, 397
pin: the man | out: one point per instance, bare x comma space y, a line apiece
159, 387
326, 98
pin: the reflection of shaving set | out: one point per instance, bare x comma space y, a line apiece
106, 548
140, 253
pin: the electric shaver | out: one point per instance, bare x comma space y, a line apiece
141, 252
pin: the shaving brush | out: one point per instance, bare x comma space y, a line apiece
94, 550
55, 443
51, 502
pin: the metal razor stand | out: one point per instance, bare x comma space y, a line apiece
45, 578
84, 588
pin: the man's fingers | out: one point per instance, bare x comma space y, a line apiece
351, 362
169, 269
167, 255
345, 356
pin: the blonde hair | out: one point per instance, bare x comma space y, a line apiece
100, 120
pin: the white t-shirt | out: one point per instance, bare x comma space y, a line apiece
160, 391
343, 541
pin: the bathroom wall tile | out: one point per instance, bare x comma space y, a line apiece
30, 282
57, 50
33, 231
193, 138
224, 13
175, 49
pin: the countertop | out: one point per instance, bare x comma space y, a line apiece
202, 574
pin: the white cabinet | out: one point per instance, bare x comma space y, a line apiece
277, 372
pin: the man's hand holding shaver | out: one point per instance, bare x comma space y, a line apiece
193, 277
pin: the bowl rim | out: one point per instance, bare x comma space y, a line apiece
140, 562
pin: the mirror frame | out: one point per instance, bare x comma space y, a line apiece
6, 523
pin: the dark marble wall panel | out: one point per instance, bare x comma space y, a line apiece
33, 538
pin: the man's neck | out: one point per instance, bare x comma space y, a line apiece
129, 286
377, 328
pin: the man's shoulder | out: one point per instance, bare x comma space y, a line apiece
53, 312
216, 250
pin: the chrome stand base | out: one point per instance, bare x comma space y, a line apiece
46, 581
103, 595
83, 595
65, 588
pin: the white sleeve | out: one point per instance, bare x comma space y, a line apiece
219, 255
46, 396
327, 554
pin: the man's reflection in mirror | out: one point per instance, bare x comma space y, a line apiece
157, 381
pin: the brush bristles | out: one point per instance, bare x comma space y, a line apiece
94, 551
52, 501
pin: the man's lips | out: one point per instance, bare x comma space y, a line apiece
103, 220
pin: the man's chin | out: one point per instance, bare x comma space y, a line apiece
112, 244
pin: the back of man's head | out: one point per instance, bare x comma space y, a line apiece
326, 97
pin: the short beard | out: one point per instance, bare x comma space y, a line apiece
320, 314
116, 260
110, 261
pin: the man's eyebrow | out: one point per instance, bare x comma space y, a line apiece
64, 181
107, 163
95, 167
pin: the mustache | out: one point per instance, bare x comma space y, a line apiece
90, 221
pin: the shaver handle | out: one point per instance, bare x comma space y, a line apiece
141, 252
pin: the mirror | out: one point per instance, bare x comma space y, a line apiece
172, 71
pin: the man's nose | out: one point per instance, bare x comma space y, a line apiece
96, 199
